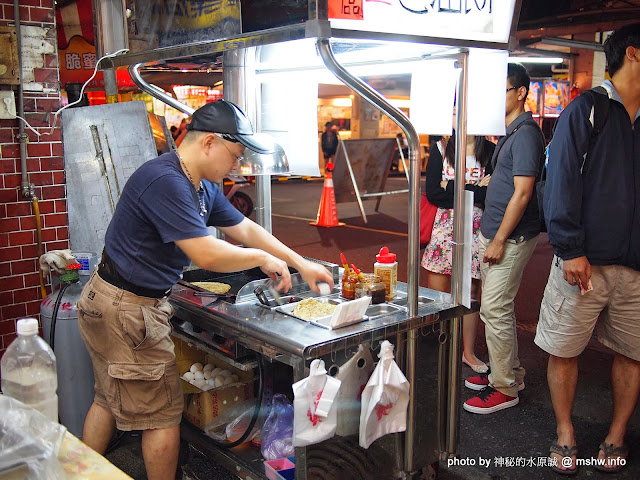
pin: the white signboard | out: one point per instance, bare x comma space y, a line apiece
471, 20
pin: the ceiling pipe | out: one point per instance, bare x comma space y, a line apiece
565, 42
134, 71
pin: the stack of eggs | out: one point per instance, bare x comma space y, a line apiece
209, 376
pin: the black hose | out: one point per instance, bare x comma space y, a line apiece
256, 411
54, 315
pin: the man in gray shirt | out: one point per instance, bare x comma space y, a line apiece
509, 234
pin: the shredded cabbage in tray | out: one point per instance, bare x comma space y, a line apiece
309, 309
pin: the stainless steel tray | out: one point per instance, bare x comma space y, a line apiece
346, 313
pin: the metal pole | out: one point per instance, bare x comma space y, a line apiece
453, 427
379, 101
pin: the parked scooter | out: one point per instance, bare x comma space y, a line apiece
232, 185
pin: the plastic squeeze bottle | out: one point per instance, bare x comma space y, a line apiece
29, 370
387, 268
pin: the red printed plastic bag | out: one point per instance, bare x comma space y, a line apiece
384, 399
354, 375
314, 409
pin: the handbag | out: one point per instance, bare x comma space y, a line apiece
427, 217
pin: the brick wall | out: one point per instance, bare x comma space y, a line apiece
19, 279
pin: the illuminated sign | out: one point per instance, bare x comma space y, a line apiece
475, 20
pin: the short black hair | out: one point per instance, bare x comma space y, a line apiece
518, 76
616, 45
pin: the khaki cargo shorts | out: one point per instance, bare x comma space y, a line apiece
567, 318
128, 339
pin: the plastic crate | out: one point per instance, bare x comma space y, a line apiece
280, 469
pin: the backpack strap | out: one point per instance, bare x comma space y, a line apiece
600, 99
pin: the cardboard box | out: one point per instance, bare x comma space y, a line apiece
202, 407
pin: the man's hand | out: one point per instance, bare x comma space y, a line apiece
493, 253
313, 273
273, 267
577, 271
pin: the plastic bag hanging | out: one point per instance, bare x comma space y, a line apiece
354, 375
384, 399
314, 408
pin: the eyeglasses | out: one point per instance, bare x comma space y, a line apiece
512, 88
236, 159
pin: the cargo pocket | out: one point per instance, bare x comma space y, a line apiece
142, 388
92, 326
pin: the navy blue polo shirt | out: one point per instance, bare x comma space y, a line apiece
158, 206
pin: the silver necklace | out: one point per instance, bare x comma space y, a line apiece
199, 190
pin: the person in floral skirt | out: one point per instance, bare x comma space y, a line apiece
437, 258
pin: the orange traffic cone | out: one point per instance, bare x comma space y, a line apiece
327, 212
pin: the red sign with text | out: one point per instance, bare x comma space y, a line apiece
346, 9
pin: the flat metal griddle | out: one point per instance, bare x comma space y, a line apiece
237, 280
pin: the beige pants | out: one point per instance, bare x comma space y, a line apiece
500, 284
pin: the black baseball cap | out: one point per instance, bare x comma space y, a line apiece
231, 123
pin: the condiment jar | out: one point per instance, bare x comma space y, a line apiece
371, 285
387, 268
349, 281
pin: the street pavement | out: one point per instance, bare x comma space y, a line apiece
511, 444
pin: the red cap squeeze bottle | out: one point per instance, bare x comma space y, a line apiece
387, 268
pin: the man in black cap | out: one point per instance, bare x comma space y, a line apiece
159, 226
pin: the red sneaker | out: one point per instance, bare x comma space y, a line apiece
489, 401
481, 381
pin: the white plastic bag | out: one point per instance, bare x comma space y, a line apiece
384, 399
314, 410
354, 375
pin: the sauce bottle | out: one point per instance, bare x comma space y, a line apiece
349, 281
386, 268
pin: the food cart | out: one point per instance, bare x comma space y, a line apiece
268, 53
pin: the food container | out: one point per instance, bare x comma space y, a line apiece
349, 281
371, 285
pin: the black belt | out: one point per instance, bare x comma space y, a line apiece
109, 273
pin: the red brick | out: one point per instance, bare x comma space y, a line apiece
63, 233
5, 271
52, 163
9, 224
30, 251
12, 180
28, 223
10, 253
6, 135
13, 283
33, 308
53, 192
4, 239
47, 206
10, 150
61, 245
7, 326
61, 206
33, 165
23, 266
55, 220
59, 178
51, 136
49, 235
18, 209
31, 279
21, 238
7, 12
3, 210
30, 3
7, 166
8, 195
44, 75
39, 150
57, 150
41, 15
42, 178
26, 295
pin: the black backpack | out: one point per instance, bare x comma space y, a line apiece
600, 100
